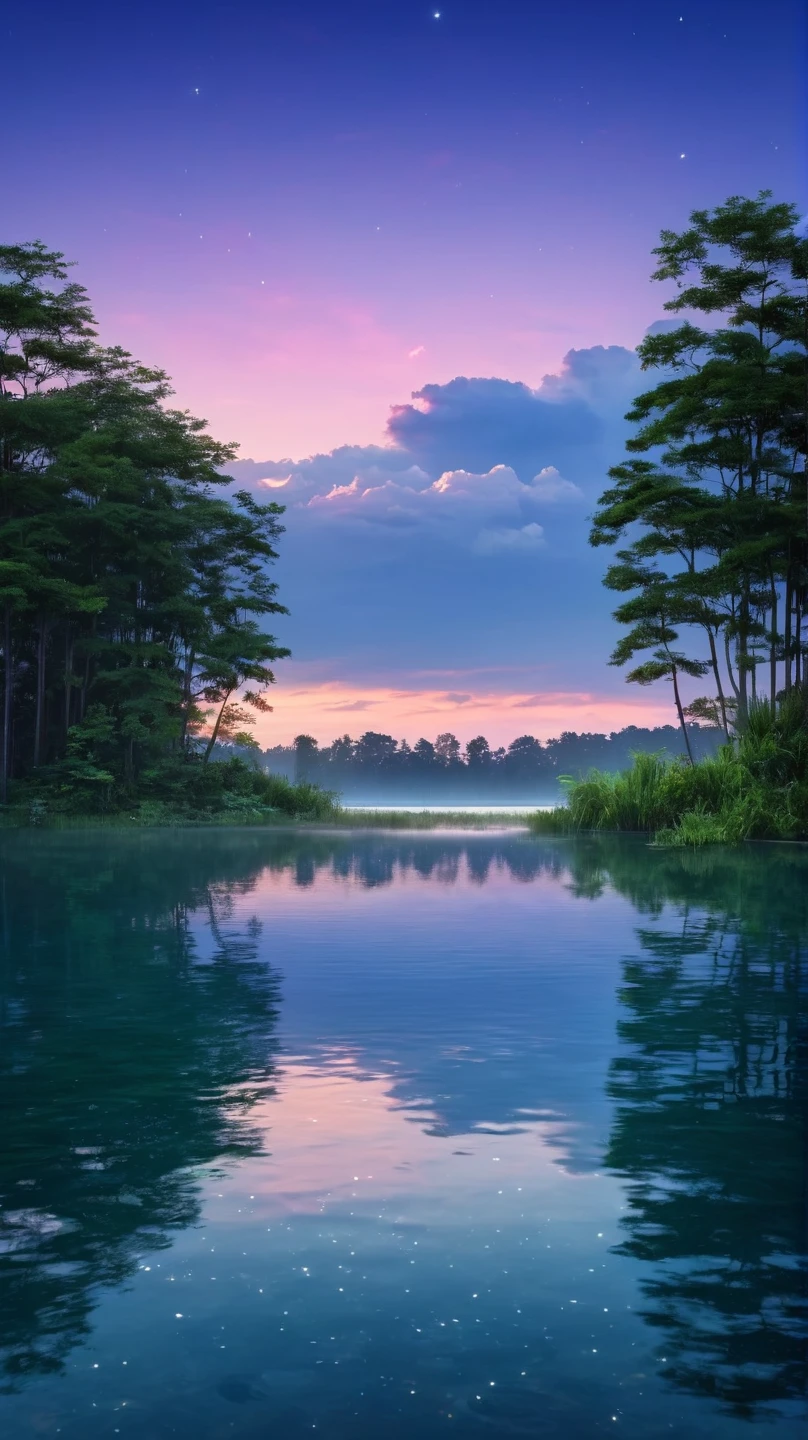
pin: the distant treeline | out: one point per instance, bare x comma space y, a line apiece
379, 767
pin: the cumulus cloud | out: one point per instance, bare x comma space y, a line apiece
476, 424
490, 465
550, 488
462, 541
485, 512
318, 474
566, 423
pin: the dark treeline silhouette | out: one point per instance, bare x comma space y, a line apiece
378, 767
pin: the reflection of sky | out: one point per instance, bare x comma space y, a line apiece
459, 992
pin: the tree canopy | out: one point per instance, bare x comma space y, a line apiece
716, 516
133, 588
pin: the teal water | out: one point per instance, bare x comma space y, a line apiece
387, 1136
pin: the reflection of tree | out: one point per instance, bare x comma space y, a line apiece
125, 1065
378, 859
711, 1109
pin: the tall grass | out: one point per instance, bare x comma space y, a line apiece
430, 819
755, 788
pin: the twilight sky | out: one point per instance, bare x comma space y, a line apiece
400, 253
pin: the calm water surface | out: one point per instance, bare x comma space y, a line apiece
391, 1136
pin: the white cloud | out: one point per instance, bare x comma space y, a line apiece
550, 488
484, 512
522, 541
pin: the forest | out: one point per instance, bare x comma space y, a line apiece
134, 589
377, 767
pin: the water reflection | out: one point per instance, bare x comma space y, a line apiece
452, 987
124, 1067
709, 1128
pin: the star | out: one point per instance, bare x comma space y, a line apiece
436, 15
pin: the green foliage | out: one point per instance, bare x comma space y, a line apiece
180, 790
429, 819
755, 789
717, 523
132, 590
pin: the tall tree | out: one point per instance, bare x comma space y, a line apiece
726, 502
130, 585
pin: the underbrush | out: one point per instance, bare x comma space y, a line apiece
754, 789
185, 793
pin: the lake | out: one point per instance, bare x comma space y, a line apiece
371, 1135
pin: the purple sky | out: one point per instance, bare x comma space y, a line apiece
308, 213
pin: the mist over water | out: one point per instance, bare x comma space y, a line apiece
373, 1133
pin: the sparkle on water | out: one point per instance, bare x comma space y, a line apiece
400, 1135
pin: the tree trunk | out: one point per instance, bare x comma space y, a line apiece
743, 655
787, 637
8, 695
68, 678
733, 682
681, 714
214, 735
39, 717
187, 688
717, 673
773, 649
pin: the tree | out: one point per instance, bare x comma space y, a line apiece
478, 753
726, 503
447, 749
652, 614
306, 753
128, 586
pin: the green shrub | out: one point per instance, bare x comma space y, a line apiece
756, 788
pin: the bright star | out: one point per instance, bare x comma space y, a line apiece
683, 156
436, 15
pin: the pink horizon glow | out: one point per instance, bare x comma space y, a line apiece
332, 708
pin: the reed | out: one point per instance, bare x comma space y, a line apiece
754, 788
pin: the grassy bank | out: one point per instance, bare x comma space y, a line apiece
431, 819
313, 813
754, 789
225, 793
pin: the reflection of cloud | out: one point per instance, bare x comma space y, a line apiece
341, 1128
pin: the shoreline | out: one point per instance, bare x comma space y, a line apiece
345, 820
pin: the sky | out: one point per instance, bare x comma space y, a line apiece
401, 255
